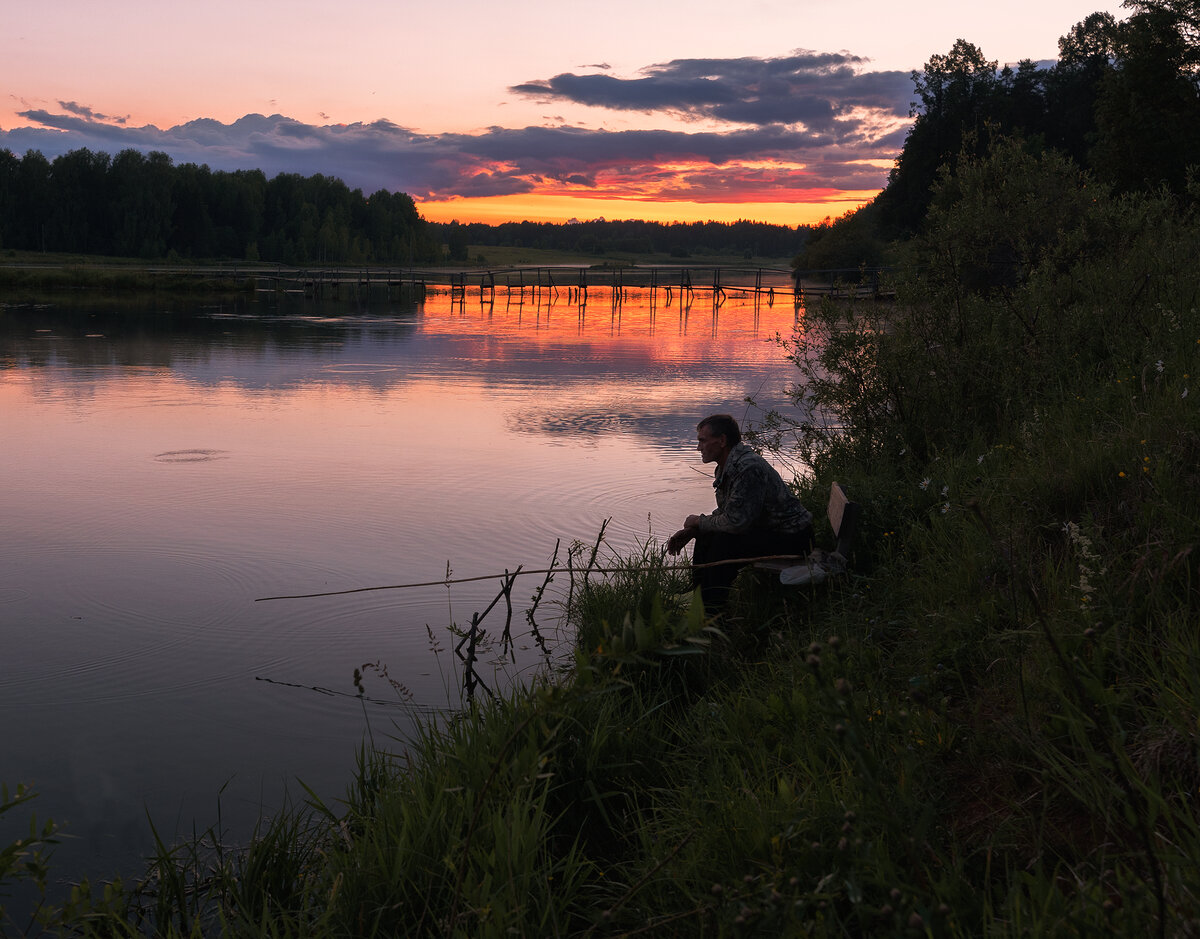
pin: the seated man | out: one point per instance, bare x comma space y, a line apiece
757, 515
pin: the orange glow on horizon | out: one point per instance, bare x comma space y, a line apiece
534, 207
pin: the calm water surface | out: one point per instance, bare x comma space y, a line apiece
164, 466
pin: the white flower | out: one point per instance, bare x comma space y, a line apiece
945, 490
925, 483
979, 459
1158, 366
945, 508
1184, 395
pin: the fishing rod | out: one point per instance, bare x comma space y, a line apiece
446, 582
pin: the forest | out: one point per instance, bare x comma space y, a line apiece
741, 239
145, 206
1122, 103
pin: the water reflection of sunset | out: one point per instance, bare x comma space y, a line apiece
661, 330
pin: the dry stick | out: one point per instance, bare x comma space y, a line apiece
544, 570
537, 598
471, 678
506, 639
596, 548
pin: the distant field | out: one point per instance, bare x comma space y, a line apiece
479, 256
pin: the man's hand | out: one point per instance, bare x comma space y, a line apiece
690, 529
677, 541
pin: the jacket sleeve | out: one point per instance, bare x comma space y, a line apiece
743, 504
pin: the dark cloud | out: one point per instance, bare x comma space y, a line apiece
816, 90
802, 126
88, 114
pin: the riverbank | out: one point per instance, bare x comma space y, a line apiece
988, 728
543, 276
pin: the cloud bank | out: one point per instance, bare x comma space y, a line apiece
798, 128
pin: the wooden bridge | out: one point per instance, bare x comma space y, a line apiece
573, 282
541, 283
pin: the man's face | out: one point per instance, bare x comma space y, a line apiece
710, 446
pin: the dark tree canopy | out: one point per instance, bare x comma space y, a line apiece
1148, 106
1123, 102
135, 205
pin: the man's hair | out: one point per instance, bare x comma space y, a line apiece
722, 425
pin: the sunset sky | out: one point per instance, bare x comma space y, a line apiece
783, 111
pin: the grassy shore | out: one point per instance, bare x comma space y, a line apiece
989, 728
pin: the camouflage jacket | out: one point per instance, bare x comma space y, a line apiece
752, 495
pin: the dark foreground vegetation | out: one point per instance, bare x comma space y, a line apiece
988, 728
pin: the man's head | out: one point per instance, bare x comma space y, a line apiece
716, 435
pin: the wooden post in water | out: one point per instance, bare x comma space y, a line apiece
718, 290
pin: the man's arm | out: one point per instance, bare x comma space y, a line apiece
743, 505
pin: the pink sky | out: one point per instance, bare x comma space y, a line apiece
778, 110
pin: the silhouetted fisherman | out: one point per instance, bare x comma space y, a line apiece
757, 514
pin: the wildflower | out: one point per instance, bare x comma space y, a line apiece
1089, 561
945, 489
1121, 474
925, 483
1184, 395
1158, 366
979, 459
945, 508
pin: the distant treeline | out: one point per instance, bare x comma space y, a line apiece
134, 205
146, 206
742, 239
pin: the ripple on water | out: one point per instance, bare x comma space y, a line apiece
191, 456
358, 368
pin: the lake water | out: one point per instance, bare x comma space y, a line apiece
165, 465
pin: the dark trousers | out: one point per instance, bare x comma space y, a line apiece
714, 582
